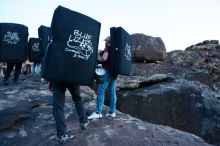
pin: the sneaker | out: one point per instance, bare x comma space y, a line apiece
84, 125
64, 138
94, 115
42, 80
113, 115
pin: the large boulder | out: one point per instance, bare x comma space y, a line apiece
202, 57
147, 48
38, 127
185, 105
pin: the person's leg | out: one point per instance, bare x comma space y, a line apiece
18, 66
79, 105
10, 66
33, 68
100, 99
39, 69
58, 108
101, 96
113, 97
29, 68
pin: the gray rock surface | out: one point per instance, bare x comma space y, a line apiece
134, 82
149, 69
185, 105
202, 57
201, 77
26, 120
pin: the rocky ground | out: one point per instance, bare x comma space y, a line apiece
26, 120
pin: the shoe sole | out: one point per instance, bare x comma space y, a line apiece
95, 118
110, 116
54, 137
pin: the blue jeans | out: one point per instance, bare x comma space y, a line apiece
33, 68
36, 68
109, 83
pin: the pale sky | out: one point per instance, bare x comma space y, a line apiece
180, 23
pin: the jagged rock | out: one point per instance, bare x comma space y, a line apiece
134, 82
217, 86
215, 75
147, 48
10, 116
204, 58
15, 108
214, 42
203, 78
39, 127
185, 105
149, 69
198, 44
206, 42
206, 45
217, 46
210, 42
181, 58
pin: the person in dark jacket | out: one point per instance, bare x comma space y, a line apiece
10, 66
